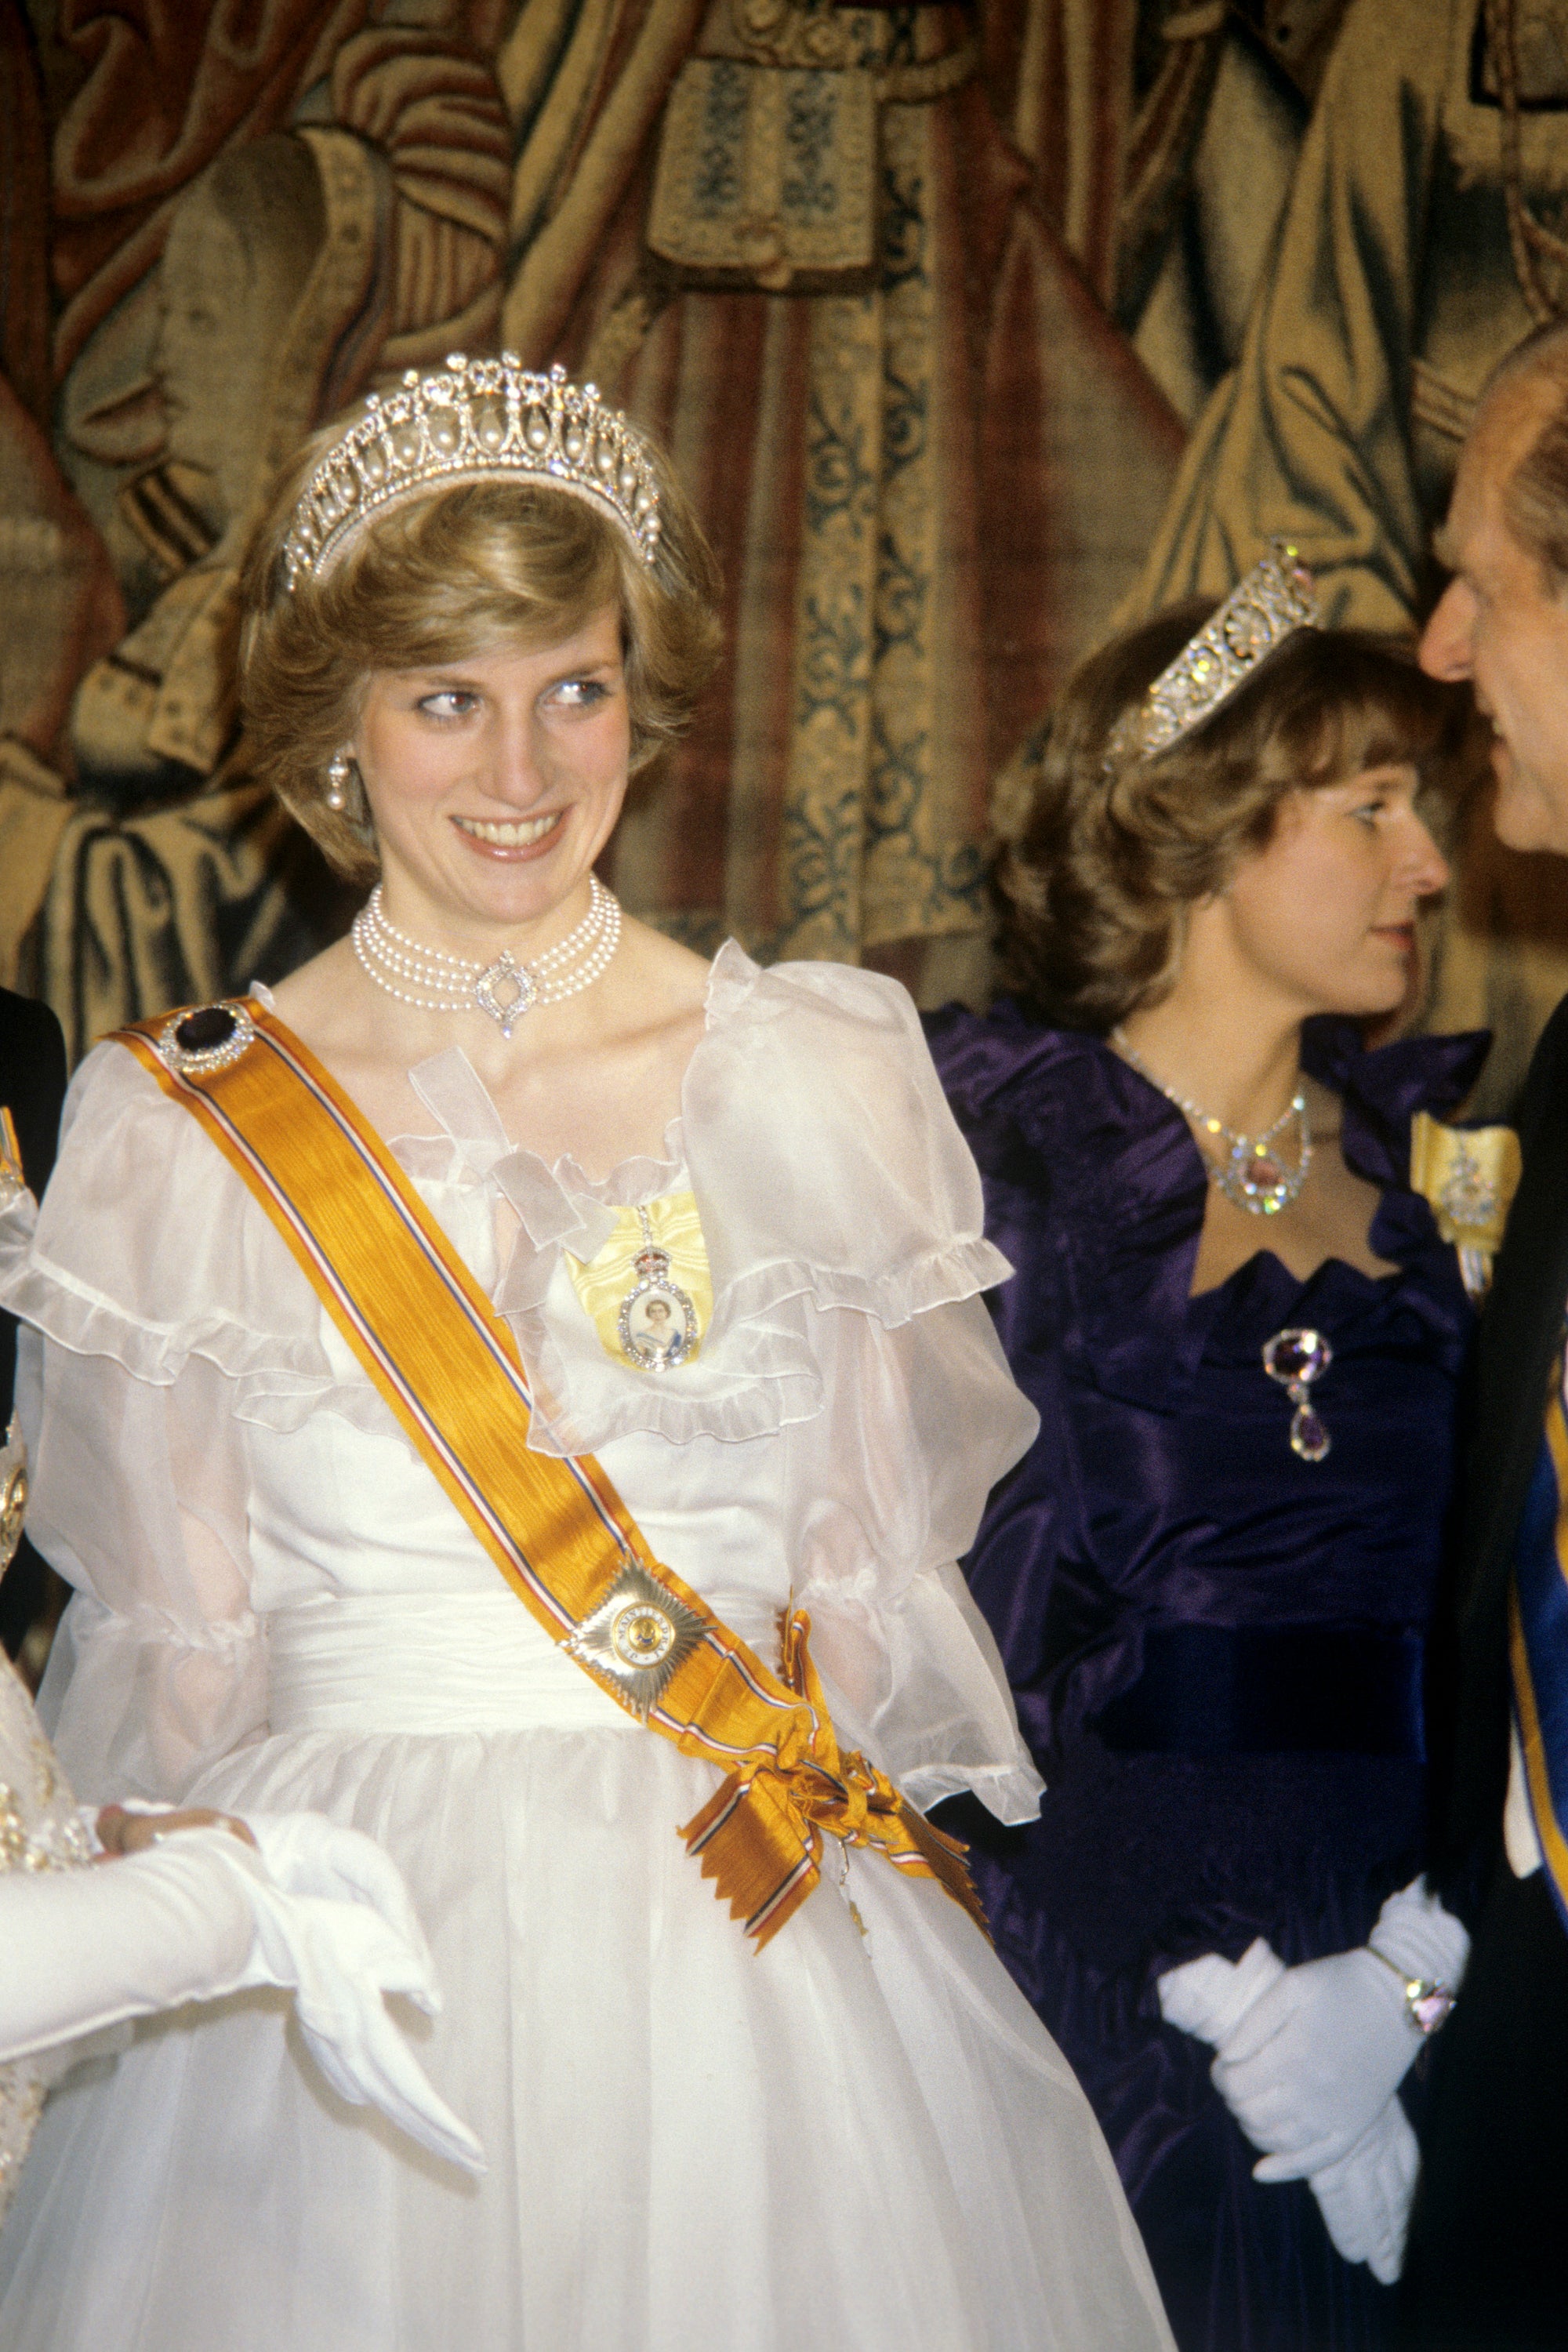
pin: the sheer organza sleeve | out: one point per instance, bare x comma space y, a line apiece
125, 1390
886, 1495
822, 1149
839, 1182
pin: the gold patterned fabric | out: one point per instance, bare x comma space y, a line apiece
929, 463
1391, 296
905, 479
767, 174
143, 865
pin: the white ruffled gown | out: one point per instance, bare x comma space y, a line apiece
859, 2137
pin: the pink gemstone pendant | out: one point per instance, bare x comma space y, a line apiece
1296, 1359
1258, 1179
1309, 1437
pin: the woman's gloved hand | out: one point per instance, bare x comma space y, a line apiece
1364, 2199
1290, 2042
200, 1914
335, 1925
1311, 2066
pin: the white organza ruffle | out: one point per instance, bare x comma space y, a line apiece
827, 1165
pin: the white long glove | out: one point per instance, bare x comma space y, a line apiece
1364, 2190
1316, 2058
198, 1917
1364, 2199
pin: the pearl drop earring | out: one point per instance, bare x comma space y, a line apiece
338, 781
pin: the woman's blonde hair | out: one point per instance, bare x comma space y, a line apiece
465, 571
1097, 860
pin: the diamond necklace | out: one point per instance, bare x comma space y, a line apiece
1251, 1176
435, 981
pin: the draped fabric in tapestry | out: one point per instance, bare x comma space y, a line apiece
822, 251
950, 313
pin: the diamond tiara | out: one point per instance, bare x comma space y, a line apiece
470, 422
1276, 598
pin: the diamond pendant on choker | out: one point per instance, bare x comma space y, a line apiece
1251, 1176
504, 990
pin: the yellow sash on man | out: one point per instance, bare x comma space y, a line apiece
448, 1367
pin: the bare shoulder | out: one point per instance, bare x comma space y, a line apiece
677, 977
312, 999
655, 995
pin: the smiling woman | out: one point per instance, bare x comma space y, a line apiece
455, 709
561, 1391
489, 566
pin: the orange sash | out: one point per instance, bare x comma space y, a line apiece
448, 1369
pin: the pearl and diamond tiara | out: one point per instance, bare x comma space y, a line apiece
1276, 598
472, 420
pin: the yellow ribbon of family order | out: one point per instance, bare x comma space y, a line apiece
1467, 1176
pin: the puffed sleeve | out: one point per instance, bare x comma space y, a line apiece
138, 1489
847, 1187
886, 1505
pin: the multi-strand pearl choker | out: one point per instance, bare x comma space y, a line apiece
436, 982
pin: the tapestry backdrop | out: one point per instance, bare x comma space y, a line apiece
972, 327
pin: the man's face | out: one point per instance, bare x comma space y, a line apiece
1501, 625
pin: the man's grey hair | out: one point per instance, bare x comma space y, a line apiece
1535, 497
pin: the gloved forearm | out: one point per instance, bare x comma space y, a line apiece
80, 1949
319, 1910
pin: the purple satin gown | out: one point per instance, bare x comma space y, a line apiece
1216, 1646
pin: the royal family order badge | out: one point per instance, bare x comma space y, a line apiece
657, 1321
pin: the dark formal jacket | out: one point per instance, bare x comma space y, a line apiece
1520, 1334
32, 1087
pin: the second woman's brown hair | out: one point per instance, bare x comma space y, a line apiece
1098, 859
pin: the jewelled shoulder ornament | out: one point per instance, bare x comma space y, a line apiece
1467, 1176
1276, 598
207, 1037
